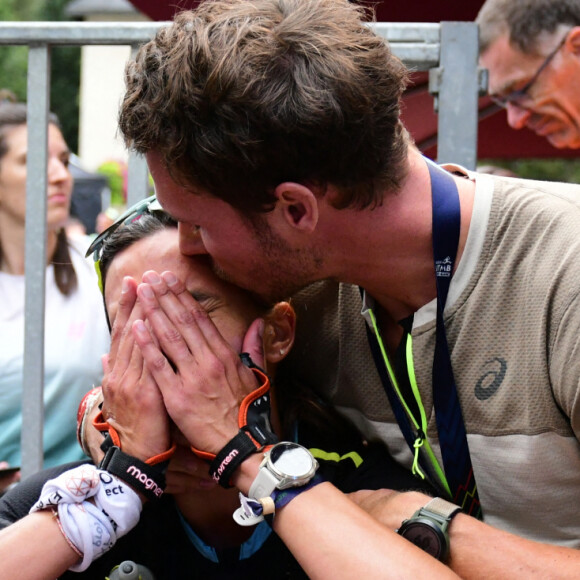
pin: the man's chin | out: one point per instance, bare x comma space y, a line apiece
566, 139
563, 144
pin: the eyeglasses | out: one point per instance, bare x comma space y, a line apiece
148, 205
520, 96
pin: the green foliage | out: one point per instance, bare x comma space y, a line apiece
13, 65
65, 69
116, 174
567, 170
21, 9
64, 91
14, 59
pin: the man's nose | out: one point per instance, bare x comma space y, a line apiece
517, 116
190, 242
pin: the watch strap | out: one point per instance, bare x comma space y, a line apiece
265, 483
253, 511
442, 508
254, 435
283, 497
254, 413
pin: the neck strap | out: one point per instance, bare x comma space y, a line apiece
456, 478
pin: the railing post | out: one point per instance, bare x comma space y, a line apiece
457, 87
35, 258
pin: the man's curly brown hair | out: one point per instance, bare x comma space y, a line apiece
239, 96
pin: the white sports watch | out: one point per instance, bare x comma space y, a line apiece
284, 465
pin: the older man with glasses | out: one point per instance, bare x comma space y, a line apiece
532, 51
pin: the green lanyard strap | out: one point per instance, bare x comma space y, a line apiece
420, 440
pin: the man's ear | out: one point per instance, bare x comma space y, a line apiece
279, 332
573, 40
298, 205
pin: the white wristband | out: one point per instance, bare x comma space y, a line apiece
93, 528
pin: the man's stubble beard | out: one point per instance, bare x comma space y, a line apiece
284, 270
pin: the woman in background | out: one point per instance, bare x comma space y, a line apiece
76, 333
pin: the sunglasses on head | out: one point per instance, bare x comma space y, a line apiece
148, 205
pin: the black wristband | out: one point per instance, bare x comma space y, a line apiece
149, 480
255, 430
231, 457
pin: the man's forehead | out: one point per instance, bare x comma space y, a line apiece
508, 67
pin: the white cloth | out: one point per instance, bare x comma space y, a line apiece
93, 528
76, 335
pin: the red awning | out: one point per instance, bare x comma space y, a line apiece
495, 140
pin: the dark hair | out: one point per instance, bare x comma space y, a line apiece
125, 236
524, 21
14, 114
239, 96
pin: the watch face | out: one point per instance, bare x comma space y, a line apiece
426, 536
291, 460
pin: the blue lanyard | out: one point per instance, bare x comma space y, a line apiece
450, 425
458, 479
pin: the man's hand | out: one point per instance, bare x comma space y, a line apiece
201, 377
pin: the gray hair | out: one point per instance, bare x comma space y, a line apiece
528, 23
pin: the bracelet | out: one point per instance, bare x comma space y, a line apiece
253, 511
112, 439
86, 405
231, 457
94, 508
146, 477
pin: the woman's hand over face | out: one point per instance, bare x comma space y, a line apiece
133, 403
201, 377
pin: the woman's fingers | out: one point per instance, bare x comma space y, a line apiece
125, 308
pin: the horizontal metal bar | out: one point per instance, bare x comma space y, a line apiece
417, 45
78, 33
408, 31
130, 32
417, 56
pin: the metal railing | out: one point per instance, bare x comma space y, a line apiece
448, 50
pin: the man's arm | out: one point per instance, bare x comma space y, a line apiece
478, 551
